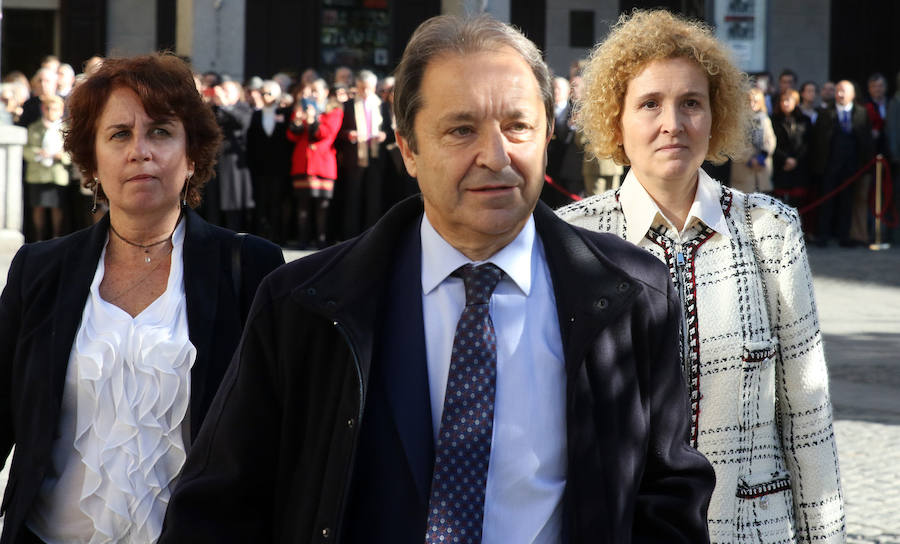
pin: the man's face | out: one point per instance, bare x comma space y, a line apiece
481, 139
560, 91
786, 82
577, 85
232, 93
65, 78
47, 81
844, 93
270, 94
877, 89
808, 94
52, 111
828, 90
365, 88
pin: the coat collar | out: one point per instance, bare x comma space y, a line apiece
202, 274
591, 291
80, 263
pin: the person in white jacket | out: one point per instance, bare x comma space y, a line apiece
662, 95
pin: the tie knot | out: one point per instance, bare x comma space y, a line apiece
480, 281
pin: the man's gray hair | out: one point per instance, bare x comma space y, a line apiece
459, 35
271, 86
368, 76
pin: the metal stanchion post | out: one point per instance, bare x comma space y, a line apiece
878, 245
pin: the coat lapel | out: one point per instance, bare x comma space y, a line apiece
77, 274
404, 361
201, 289
589, 288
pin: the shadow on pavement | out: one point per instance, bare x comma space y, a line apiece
864, 372
856, 264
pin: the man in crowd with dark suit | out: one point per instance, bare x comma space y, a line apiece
359, 185
269, 160
564, 158
473, 369
842, 144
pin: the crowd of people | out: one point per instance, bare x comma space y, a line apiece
805, 140
305, 161
308, 161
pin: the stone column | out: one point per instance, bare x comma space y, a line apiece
12, 140
211, 33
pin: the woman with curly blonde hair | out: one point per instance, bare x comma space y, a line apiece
662, 95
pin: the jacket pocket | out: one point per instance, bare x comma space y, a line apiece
765, 509
778, 482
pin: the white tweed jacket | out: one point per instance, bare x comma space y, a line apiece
759, 392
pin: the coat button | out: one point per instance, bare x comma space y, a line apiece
602, 303
350, 423
311, 291
326, 532
622, 287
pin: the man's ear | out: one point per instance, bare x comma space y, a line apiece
409, 158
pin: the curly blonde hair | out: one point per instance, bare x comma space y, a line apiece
639, 39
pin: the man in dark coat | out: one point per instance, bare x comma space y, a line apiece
269, 160
560, 413
842, 144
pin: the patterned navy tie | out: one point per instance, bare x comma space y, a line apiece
463, 449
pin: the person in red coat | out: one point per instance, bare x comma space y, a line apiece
315, 123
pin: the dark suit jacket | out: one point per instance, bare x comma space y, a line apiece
40, 312
824, 131
792, 134
562, 137
269, 155
275, 460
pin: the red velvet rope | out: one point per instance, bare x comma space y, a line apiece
847, 182
567, 194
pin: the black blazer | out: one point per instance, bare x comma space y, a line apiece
793, 134
824, 130
319, 425
269, 155
40, 312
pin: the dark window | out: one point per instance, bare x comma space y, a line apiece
27, 38
581, 29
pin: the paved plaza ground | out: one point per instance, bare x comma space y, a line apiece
858, 294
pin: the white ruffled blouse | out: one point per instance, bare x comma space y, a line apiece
120, 446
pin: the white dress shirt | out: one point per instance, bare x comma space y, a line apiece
527, 470
268, 119
642, 213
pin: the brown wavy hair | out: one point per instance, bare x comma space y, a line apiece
165, 85
639, 39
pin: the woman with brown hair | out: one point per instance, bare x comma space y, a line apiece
113, 340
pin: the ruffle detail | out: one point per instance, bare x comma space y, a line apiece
133, 395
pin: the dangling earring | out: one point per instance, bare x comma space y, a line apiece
187, 182
94, 190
